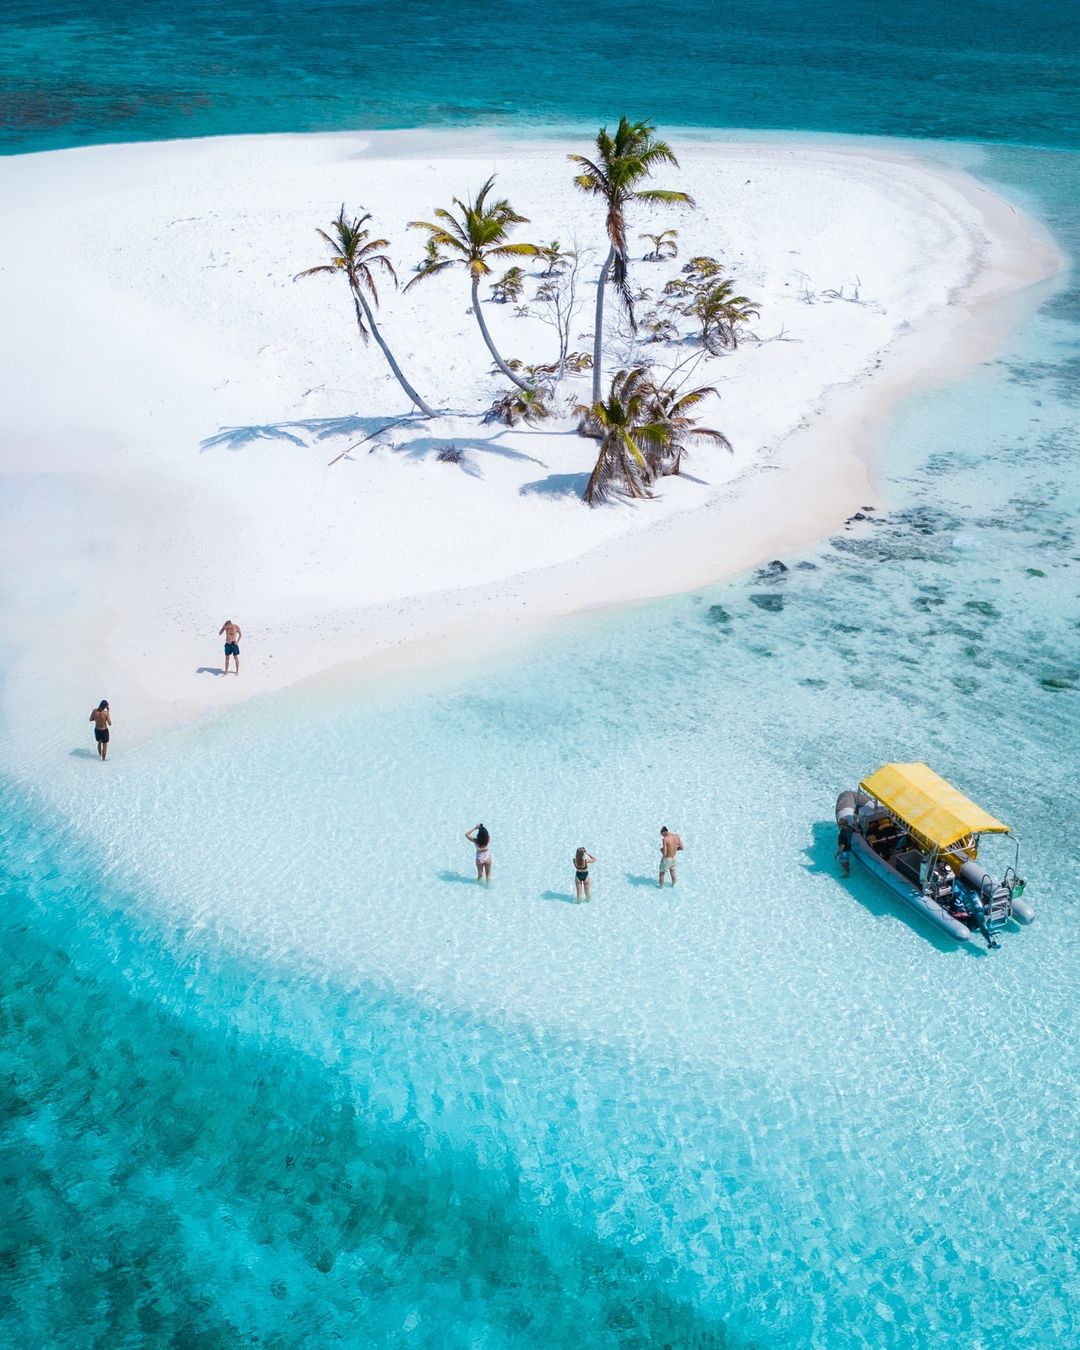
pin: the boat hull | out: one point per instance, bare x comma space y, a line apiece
903, 889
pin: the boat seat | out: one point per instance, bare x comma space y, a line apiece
907, 863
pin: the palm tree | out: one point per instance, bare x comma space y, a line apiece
354, 256
622, 162
556, 257
672, 410
721, 313
663, 246
629, 434
509, 286
530, 406
471, 240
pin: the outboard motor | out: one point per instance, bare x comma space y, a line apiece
988, 903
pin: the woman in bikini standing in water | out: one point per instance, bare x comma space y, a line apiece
582, 859
102, 722
480, 837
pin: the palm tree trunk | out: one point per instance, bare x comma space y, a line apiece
370, 319
487, 337
598, 335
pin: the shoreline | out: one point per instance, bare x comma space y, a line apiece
775, 501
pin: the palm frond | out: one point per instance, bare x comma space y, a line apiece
601, 480
620, 279
666, 195
384, 262
708, 434
658, 152
365, 281
428, 270
593, 178
515, 251
360, 318
681, 404
371, 246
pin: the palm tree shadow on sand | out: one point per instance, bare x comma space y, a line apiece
556, 485
300, 432
421, 447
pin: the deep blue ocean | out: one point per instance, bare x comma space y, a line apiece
109, 70
210, 1150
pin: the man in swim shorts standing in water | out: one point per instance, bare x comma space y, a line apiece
670, 845
843, 845
232, 643
102, 722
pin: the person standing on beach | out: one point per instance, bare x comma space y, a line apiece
102, 722
670, 845
582, 859
232, 643
479, 837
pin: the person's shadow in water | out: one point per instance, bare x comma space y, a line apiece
209, 670
84, 752
633, 879
456, 876
564, 896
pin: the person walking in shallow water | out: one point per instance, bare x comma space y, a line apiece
481, 839
232, 643
102, 722
670, 845
582, 859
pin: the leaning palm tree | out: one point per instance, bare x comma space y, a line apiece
354, 257
629, 434
622, 162
470, 239
673, 411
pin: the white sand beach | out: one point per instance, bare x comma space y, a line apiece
177, 407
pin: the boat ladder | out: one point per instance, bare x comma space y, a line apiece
997, 903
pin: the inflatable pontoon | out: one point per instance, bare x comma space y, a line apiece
920, 836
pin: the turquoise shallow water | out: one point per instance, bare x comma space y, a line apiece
775, 1111
768, 1109
178, 1168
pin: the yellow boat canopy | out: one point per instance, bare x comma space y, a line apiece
931, 808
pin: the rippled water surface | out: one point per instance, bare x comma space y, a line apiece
269, 1075
78, 73
274, 1071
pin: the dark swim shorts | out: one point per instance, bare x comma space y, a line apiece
101, 736
232, 649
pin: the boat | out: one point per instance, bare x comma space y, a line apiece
921, 836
